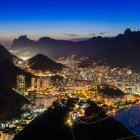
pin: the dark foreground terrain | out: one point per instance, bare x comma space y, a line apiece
51, 126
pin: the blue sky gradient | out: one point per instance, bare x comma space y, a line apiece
61, 18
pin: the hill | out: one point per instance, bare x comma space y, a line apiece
43, 63
9, 72
110, 91
4, 54
10, 103
51, 125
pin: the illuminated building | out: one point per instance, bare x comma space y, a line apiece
129, 72
6, 136
38, 84
32, 83
44, 84
21, 84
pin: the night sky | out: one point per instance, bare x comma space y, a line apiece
66, 19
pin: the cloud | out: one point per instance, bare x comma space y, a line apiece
26, 53
14, 52
92, 34
21, 49
102, 33
68, 34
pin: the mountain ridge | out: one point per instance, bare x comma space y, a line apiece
10, 103
9, 72
121, 50
4, 54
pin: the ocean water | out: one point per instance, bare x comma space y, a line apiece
130, 118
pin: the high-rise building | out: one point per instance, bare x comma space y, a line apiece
38, 84
21, 84
33, 83
129, 72
44, 84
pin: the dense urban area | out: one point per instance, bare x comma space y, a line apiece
112, 89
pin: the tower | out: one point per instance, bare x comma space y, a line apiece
44, 84
21, 84
32, 83
38, 84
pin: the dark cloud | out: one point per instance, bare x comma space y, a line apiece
71, 34
92, 34
102, 33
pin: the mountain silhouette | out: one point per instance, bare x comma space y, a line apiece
43, 63
23, 41
52, 123
10, 103
9, 72
45, 45
4, 54
62, 48
126, 54
120, 51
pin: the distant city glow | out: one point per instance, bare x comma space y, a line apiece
24, 58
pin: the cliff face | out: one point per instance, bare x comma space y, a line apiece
22, 41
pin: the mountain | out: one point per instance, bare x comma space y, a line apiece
10, 103
79, 39
62, 48
23, 41
9, 72
4, 54
45, 45
120, 51
51, 125
43, 63
126, 54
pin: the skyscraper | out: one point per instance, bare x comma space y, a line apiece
44, 84
38, 84
33, 83
21, 84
